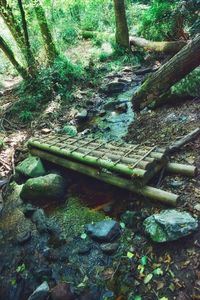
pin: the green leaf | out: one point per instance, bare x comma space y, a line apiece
148, 278
130, 254
141, 268
137, 297
144, 260
122, 225
163, 298
158, 271
83, 236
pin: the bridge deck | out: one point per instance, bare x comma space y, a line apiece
138, 162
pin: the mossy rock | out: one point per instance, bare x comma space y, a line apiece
70, 130
31, 167
44, 188
74, 216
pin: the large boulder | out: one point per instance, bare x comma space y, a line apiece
114, 87
169, 225
44, 188
104, 231
31, 167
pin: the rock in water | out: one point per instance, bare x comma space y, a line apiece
40, 293
169, 225
44, 188
31, 167
114, 87
104, 231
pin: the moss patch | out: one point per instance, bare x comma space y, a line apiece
73, 216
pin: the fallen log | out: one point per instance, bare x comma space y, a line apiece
146, 191
160, 82
181, 142
171, 99
163, 47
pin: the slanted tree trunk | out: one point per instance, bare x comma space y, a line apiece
165, 47
46, 33
171, 72
10, 55
122, 34
15, 29
29, 54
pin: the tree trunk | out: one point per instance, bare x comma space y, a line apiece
46, 33
165, 47
122, 35
8, 52
15, 29
29, 54
171, 72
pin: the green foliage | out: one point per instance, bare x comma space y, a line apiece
26, 116
21, 268
50, 81
158, 21
73, 217
189, 84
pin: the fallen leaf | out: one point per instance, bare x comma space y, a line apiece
148, 278
158, 271
160, 285
143, 260
130, 254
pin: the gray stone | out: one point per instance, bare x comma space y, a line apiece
82, 115
129, 218
31, 167
104, 231
44, 188
114, 87
40, 220
197, 207
122, 108
40, 293
169, 225
24, 237
109, 248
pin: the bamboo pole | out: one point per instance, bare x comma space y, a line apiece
118, 149
186, 170
135, 173
146, 191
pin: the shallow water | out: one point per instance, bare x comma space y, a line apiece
114, 125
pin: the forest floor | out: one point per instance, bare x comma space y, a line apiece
94, 275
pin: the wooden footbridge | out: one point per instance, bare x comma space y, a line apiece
128, 166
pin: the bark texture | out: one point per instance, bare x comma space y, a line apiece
29, 54
46, 33
8, 52
122, 34
165, 47
181, 64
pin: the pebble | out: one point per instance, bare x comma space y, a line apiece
109, 248
24, 237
